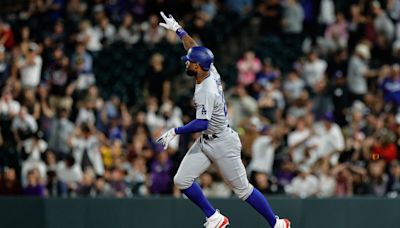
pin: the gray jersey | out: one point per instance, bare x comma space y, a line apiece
210, 103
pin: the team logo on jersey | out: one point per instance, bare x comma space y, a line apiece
203, 110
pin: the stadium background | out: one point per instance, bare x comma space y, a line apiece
313, 88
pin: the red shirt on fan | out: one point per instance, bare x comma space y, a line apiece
6, 36
388, 152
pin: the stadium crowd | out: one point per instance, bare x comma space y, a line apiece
326, 124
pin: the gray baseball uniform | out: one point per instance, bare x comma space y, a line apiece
218, 144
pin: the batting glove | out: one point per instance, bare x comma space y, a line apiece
166, 138
170, 22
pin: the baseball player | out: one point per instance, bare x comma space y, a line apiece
218, 143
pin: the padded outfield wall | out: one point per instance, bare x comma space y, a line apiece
180, 213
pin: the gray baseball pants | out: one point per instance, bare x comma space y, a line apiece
224, 152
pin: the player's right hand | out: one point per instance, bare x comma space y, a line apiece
166, 138
170, 22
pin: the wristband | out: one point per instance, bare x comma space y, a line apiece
181, 32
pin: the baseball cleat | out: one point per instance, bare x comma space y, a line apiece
217, 220
282, 223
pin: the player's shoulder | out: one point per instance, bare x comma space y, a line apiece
208, 88
213, 70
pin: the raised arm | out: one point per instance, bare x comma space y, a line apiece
173, 25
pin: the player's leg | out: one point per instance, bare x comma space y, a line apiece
193, 165
226, 155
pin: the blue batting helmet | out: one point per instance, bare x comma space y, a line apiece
201, 55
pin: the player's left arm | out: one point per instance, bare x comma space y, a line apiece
173, 25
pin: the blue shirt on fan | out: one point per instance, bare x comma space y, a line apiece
391, 90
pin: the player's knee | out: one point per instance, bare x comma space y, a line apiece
245, 192
183, 182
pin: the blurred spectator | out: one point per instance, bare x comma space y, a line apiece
86, 114
118, 184
393, 8
106, 31
344, 180
271, 14
240, 105
69, 173
313, 70
86, 150
111, 151
55, 187
58, 35
382, 23
6, 35
103, 189
157, 81
326, 181
61, 129
271, 102
304, 185
29, 101
212, 188
32, 152
266, 185
356, 26
89, 37
263, 151
153, 33
137, 176
61, 81
128, 32
293, 16
86, 187
338, 63
326, 12
293, 87
75, 10
160, 174
341, 100
384, 146
23, 125
301, 146
358, 72
9, 108
30, 66
393, 186
34, 187
82, 64
322, 102
249, 131
248, 67
330, 140
336, 34
390, 86
9, 184
208, 9
378, 178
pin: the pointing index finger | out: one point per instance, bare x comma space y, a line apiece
163, 16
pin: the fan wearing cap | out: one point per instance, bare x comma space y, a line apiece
218, 143
358, 72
